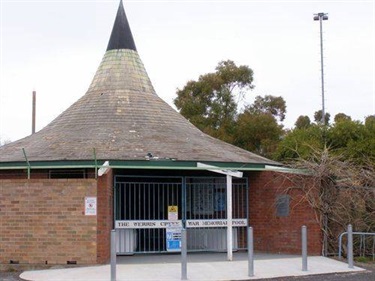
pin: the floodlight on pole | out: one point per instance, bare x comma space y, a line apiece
321, 17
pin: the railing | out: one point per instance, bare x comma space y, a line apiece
184, 246
363, 237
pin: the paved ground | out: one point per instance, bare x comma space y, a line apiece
130, 262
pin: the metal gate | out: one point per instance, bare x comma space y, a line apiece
141, 209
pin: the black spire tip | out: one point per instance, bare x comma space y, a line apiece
121, 36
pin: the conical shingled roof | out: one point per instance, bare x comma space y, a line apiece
122, 117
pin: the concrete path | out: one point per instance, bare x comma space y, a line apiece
201, 267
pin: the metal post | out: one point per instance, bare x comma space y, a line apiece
113, 255
250, 251
28, 164
229, 219
321, 17
322, 68
33, 113
183, 254
304, 248
96, 163
350, 246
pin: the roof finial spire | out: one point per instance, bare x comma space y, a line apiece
121, 36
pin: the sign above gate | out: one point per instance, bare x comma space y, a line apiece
215, 223
148, 224
142, 224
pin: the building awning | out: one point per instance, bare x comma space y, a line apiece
146, 164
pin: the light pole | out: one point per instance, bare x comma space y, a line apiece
321, 17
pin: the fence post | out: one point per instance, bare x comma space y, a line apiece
250, 251
350, 246
304, 248
183, 254
113, 255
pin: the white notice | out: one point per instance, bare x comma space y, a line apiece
90, 206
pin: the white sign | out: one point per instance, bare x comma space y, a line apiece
173, 213
215, 223
189, 223
173, 239
148, 224
90, 206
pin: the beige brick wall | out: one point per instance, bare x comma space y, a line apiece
43, 220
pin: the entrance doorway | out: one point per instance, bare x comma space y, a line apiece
142, 204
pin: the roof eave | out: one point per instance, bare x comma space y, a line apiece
134, 164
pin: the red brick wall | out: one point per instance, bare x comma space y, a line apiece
43, 220
280, 234
22, 174
105, 216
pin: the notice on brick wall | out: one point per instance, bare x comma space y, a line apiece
90, 206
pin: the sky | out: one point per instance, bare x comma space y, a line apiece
55, 48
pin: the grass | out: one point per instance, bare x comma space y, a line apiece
364, 259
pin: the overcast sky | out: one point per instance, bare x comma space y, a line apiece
55, 47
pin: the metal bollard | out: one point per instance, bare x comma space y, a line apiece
250, 251
304, 248
113, 255
350, 246
183, 254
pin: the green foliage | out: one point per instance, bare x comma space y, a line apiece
318, 117
363, 259
303, 122
300, 143
342, 117
258, 132
348, 138
370, 124
269, 104
209, 103
344, 131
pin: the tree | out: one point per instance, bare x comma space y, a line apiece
370, 123
340, 163
318, 117
338, 189
258, 132
302, 122
210, 102
342, 117
360, 140
300, 143
269, 104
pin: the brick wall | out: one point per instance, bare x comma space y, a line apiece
42, 220
280, 234
105, 216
